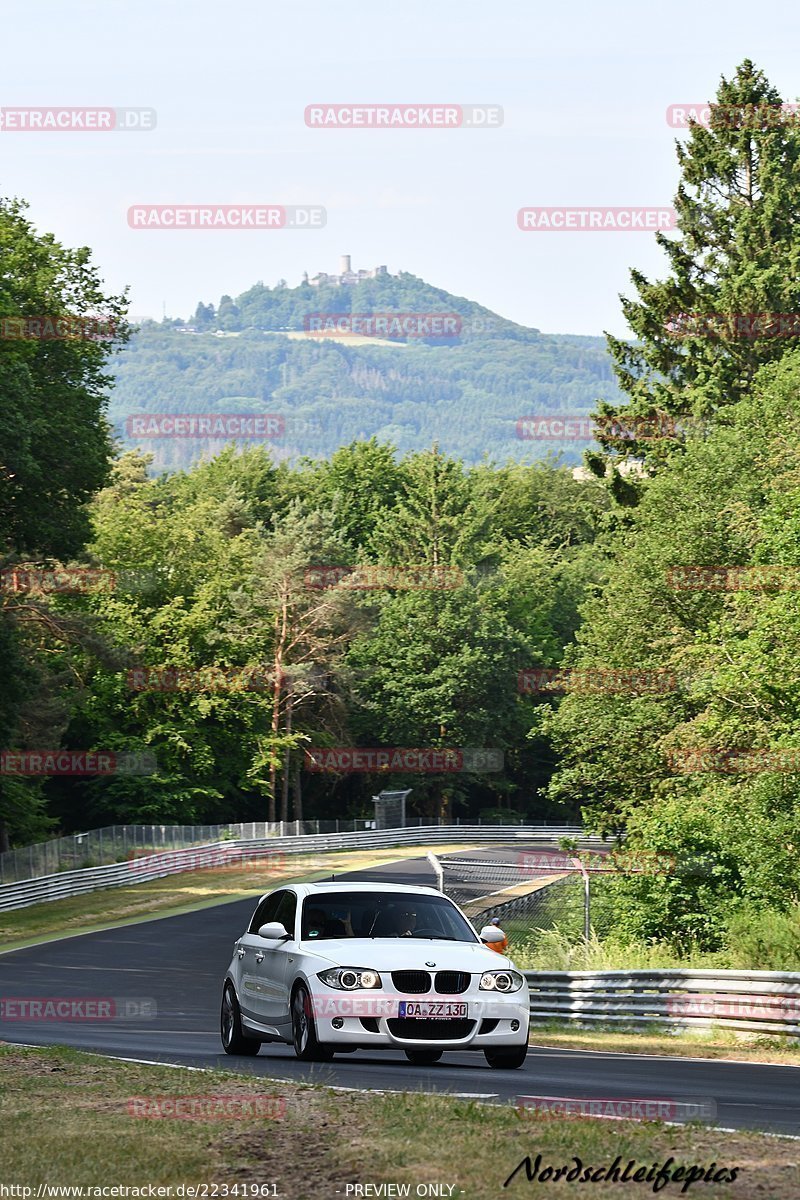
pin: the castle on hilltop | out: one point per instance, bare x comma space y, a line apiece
346, 275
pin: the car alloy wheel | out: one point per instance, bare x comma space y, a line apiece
233, 1038
304, 1030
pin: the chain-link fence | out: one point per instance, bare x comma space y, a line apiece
100, 847
501, 884
116, 843
529, 892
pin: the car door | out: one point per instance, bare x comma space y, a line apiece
251, 953
277, 968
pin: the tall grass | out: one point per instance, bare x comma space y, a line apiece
557, 950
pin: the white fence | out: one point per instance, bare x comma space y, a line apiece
250, 850
760, 1001
115, 843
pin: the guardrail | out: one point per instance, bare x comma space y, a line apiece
114, 843
751, 1001
155, 866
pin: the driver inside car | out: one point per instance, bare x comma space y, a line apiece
314, 923
406, 923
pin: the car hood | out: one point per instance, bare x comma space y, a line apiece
403, 954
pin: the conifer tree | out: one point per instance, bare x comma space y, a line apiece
735, 258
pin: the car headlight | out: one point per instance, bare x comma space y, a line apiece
501, 981
349, 979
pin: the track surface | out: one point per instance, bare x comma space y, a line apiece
179, 963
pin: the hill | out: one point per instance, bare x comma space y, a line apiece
456, 373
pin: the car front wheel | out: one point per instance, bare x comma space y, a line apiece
423, 1058
233, 1038
507, 1058
304, 1030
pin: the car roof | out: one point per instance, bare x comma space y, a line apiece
346, 885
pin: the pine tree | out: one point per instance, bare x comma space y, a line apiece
737, 254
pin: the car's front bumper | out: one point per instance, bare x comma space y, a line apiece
355, 1019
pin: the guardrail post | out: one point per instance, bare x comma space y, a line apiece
586, 901
437, 870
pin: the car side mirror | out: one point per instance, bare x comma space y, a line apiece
273, 931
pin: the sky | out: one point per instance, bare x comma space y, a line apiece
583, 89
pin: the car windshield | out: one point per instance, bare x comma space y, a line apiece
382, 915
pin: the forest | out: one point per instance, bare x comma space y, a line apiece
223, 618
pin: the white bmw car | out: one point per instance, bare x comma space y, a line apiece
335, 967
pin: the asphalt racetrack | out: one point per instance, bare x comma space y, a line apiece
179, 962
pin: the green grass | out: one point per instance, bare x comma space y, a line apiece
716, 1042
558, 949
65, 1119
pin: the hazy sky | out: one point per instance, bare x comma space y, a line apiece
584, 88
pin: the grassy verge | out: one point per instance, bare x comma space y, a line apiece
182, 893
714, 1043
327, 1140
563, 949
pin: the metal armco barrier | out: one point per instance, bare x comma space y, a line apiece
751, 1001
156, 866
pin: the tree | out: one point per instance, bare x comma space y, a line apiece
300, 630
728, 659
359, 483
436, 520
59, 330
737, 253
54, 439
438, 670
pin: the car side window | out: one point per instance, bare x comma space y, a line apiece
266, 911
287, 911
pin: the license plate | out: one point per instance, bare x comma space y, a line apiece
432, 1008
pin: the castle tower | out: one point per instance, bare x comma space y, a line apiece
344, 265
